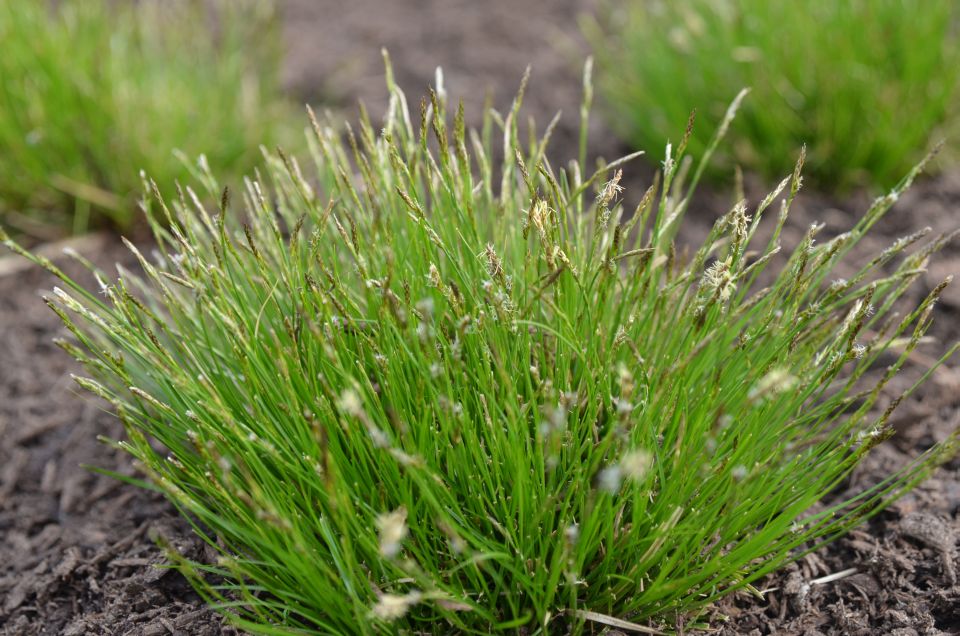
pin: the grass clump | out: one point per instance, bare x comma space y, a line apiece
92, 91
864, 83
414, 387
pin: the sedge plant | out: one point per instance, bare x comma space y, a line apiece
413, 388
93, 91
863, 83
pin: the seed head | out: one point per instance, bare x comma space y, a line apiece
636, 464
494, 264
775, 382
718, 280
393, 530
350, 403
390, 607
610, 478
434, 277
740, 222
571, 533
839, 285
538, 216
610, 190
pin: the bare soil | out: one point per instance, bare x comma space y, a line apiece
78, 551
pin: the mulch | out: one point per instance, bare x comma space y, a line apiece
78, 549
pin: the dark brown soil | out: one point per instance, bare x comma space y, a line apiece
77, 555
77, 549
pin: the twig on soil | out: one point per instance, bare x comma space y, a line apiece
615, 622
836, 576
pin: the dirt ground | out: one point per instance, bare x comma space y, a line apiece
77, 549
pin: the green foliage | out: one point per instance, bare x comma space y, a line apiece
863, 83
416, 387
91, 92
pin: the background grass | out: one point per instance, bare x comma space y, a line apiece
864, 84
92, 91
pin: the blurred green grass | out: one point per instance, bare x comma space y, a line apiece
92, 92
867, 85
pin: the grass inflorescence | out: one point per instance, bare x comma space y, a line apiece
864, 83
415, 387
93, 91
